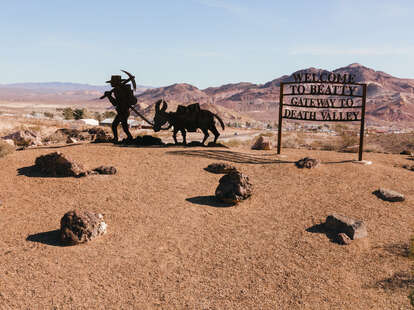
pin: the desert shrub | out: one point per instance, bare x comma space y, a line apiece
374, 148
98, 116
5, 148
266, 134
293, 140
109, 114
324, 145
67, 113
80, 113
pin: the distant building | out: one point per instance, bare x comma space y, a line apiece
89, 121
131, 122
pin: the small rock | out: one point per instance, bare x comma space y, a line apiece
57, 164
408, 167
234, 187
220, 168
407, 152
71, 140
99, 135
389, 195
343, 238
105, 170
354, 229
9, 141
81, 226
308, 163
262, 143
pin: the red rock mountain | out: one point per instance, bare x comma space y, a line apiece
389, 99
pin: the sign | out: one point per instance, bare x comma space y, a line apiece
325, 97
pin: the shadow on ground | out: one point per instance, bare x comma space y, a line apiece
398, 281
32, 172
211, 201
236, 157
320, 229
51, 237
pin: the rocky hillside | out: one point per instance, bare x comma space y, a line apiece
390, 99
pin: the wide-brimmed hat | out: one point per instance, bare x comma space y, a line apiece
115, 79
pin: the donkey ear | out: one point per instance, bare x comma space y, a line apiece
157, 105
164, 105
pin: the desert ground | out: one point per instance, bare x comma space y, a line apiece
170, 245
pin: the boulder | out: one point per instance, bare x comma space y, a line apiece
262, 143
57, 164
220, 168
24, 138
389, 195
105, 170
81, 226
354, 229
308, 163
234, 187
343, 239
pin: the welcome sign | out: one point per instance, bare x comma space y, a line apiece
325, 97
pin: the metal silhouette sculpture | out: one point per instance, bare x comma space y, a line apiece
123, 100
186, 118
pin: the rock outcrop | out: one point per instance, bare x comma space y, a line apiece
24, 138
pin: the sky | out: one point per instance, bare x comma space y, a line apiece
201, 42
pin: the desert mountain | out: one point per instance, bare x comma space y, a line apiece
54, 91
389, 99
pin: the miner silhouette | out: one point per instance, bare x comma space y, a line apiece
123, 99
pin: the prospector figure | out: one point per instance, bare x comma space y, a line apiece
124, 99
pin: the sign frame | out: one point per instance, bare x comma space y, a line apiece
362, 107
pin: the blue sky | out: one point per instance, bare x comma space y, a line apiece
201, 42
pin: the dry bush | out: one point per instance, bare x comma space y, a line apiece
392, 143
374, 148
5, 148
293, 141
324, 145
238, 142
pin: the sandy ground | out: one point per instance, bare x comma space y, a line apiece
170, 246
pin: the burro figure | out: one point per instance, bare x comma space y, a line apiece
186, 118
123, 99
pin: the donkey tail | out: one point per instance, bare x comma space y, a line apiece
219, 119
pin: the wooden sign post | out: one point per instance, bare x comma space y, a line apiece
323, 98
